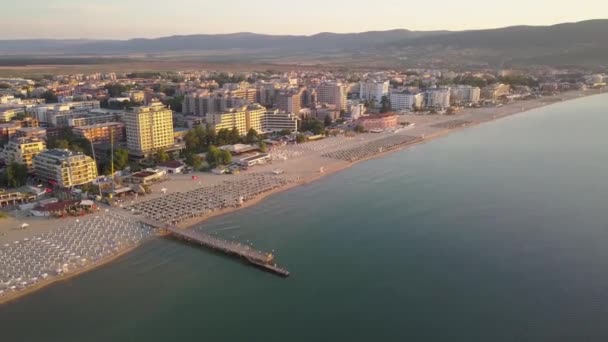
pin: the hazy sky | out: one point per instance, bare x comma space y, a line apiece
153, 18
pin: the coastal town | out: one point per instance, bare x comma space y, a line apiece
88, 161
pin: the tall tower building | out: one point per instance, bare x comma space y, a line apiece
149, 128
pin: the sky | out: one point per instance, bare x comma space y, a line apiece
124, 19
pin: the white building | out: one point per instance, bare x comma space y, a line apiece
275, 121
465, 94
373, 90
357, 110
64, 168
406, 101
437, 98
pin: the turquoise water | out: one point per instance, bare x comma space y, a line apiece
495, 233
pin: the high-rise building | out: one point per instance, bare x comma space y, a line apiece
290, 100
437, 98
101, 133
373, 90
243, 119
332, 93
275, 121
64, 168
495, 91
206, 103
404, 100
149, 128
23, 151
465, 94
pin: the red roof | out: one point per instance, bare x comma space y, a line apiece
57, 206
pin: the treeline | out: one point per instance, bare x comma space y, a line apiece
200, 139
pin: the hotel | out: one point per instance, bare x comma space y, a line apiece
64, 168
149, 128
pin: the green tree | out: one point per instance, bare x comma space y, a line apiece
16, 175
235, 136
162, 156
193, 142
225, 157
285, 132
312, 125
213, 156
385, 105
63, 144
121, 158
252, 136
301, 138
327, 122
263, 147
116, 89
49, 97
194, 160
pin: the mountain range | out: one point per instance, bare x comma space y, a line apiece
581, 43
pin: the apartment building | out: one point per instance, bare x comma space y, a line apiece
373, 90
437, 98
243, 118
202, 104
333, 93
23, 151
495, 91
403, 100
290, 100
8, 114
465, 94
64, 168
275, 121
149, 128
101, 133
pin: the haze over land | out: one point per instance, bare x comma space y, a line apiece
577, 44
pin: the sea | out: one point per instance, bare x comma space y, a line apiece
493, 233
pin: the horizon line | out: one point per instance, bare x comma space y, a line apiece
300, 35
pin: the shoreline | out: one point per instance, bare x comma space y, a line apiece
196, 221
16, 296
330, 170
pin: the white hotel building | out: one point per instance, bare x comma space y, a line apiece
373, 90
406, 101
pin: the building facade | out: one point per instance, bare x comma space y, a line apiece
333, 94
464, 95
373, 90
406, 101
437, 99
64, 168
495, 91
243, 119
23, 151
275, 121
381, 122
149, 128
101, 133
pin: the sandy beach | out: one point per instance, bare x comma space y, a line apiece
300, 164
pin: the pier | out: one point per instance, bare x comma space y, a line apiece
262, 260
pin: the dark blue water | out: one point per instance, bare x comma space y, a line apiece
495, 233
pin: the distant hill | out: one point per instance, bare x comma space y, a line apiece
318, 43
569, 43
581, 43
